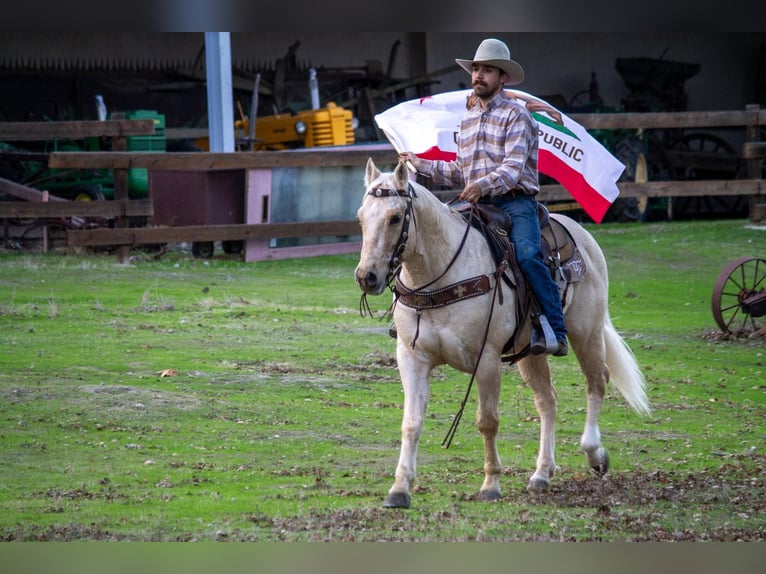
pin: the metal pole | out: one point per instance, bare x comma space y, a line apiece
220, 112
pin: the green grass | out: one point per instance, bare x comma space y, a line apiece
181, 399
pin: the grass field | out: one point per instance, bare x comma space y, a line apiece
200, 400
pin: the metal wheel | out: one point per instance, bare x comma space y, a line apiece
88, 193
739, 296
203, 249
232, 247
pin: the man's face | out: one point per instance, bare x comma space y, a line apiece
486, 81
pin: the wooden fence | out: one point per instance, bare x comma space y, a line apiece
258, 166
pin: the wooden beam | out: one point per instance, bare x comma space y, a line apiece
633, 120
232, 232
352, 156
754, 150
41, 131
752, 187
136, 207
24, 192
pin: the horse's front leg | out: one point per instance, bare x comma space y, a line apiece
414, 373
487, 421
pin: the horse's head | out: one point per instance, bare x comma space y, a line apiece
385, 216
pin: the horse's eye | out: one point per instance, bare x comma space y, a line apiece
395, 219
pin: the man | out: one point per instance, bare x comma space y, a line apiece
497, 163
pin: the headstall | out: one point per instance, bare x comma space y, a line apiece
395, 262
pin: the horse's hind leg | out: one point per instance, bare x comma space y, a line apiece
592, 358
536, 372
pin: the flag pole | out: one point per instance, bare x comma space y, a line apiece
398, 149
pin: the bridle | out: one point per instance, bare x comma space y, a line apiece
395, 261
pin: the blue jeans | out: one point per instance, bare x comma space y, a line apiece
525, 235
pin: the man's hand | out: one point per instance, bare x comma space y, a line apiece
410, 159
471, 192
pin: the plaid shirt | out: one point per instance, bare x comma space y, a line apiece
497, 149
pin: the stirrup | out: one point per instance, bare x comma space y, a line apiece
543, 338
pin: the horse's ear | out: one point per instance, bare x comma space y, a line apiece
401, 176
371, 173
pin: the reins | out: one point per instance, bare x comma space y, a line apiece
496, 293
452, 261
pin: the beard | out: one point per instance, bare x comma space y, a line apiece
483, 90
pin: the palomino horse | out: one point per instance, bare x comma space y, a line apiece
408, 232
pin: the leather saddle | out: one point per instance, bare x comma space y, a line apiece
560, 253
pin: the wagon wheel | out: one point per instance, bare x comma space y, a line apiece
710, 157
739, 280
631, 152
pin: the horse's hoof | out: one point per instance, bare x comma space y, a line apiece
489, 495
601, 468
397, 500
538, 485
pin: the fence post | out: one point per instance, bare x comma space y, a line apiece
754, 165
45, 225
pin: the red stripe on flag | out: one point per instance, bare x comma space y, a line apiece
436, 153
594, 204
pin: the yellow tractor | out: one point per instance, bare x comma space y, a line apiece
327, 126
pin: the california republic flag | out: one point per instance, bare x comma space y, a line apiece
567, 152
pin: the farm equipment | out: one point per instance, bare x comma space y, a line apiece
318, 126
328, 126
739, 297
657, 85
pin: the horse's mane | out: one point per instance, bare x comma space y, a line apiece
422, 191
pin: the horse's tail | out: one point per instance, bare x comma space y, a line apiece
624, 372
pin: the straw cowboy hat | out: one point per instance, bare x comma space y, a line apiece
493, 52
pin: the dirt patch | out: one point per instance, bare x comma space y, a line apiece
137, 399
626, 506
738, 336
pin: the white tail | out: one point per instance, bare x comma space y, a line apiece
624, 372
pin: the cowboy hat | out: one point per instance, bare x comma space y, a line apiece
493, 52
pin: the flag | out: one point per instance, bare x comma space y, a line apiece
567, 152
